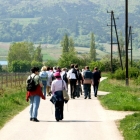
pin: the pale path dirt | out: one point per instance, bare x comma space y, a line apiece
84, 119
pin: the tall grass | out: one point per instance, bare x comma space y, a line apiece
131, 127
121, 97
124, 98
10, 105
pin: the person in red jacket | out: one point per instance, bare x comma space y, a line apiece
34, 96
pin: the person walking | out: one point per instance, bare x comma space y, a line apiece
96, 80
49, 81
71, 75
56, 88
79, 83
87, 77
44, 77
34, 96
64, 76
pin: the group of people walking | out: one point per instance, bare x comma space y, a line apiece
53, 81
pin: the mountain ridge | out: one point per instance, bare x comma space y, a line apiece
47, 22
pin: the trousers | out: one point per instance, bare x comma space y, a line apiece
59, 106
73, 87
34, 105
87, 90
95, 88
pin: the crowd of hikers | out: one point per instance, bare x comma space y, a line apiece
74, 77
51, 81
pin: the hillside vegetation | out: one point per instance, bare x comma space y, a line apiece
47, 21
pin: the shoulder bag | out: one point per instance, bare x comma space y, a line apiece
65, 93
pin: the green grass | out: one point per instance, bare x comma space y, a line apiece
131, 127
10, 105
121, 97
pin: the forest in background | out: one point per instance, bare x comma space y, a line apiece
47, 21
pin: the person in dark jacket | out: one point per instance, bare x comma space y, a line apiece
96, 80
87, 77
56, 87
78, 84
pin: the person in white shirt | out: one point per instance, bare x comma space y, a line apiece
71, 75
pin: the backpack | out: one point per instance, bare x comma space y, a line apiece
31, 86
65, 78
43, 76
75, 72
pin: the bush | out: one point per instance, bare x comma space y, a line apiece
119, 74
137, 81
133, 72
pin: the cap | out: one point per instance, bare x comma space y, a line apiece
57, 74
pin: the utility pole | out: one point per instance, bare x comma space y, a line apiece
126, 40
113, 21
130, 39
131, 49
118, 43
111, 64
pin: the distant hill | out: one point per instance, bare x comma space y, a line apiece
46, 21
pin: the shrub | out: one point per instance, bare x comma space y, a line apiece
133, 72
119, 74
137, 81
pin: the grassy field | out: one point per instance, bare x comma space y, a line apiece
49, 51
11, 103
53, 52
123, 98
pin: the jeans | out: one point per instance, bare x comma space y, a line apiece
95, 88
44, 87
34, 105
87, 90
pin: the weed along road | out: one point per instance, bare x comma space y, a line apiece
84, 119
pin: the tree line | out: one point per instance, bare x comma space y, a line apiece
24, 55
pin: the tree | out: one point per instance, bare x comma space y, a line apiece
68, 52
122, 48
36, 64
0, 68
71, 45
92, 48
37, 54
68, 58
20, 66
121, 40
65, 44
21, 53
51, 63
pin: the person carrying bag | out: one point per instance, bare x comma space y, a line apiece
57, 99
